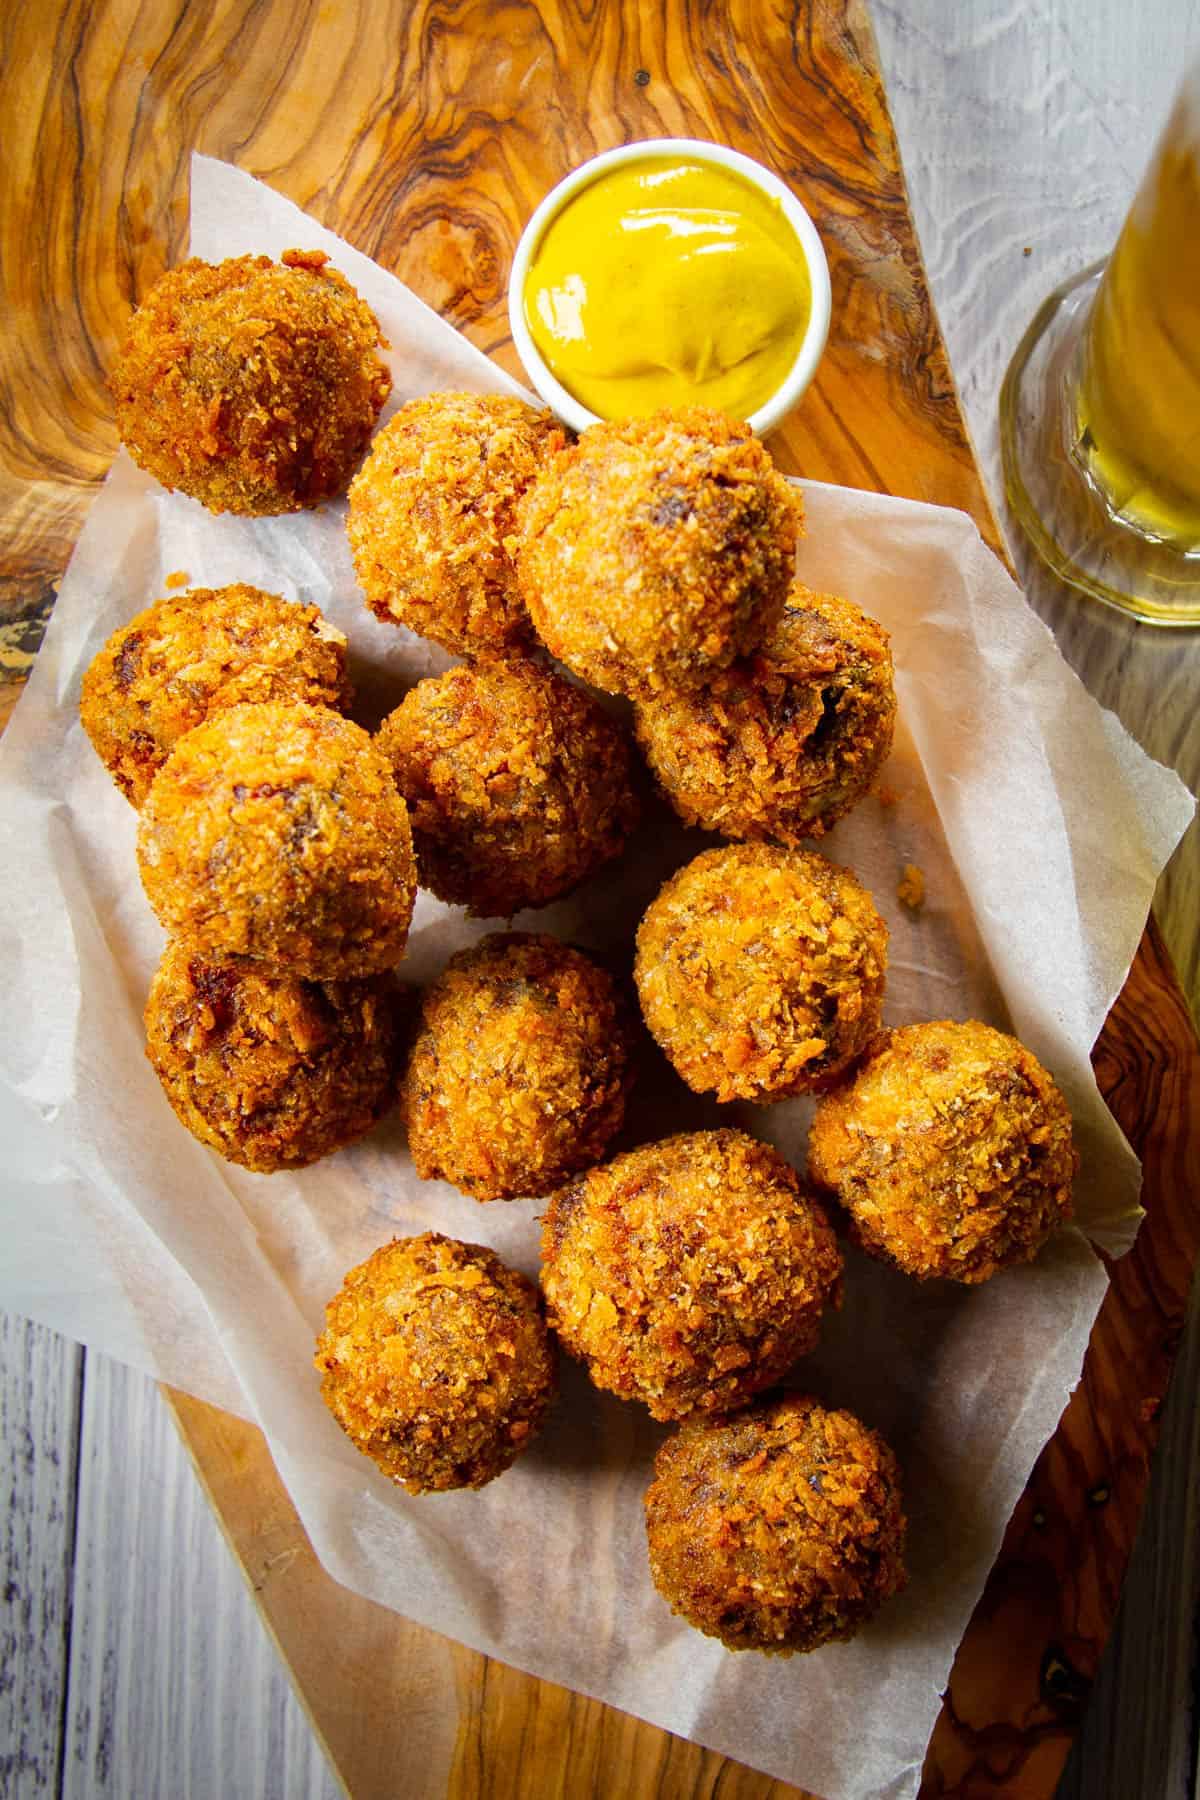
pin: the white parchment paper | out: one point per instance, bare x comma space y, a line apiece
1040, 827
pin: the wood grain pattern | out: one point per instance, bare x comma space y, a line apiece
1056, 1583
39, 1430
424, 134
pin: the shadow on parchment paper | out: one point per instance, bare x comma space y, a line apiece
585, 1417
378, 684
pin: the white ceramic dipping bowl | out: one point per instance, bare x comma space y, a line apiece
555, 395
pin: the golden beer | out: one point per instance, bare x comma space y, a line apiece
1137, 408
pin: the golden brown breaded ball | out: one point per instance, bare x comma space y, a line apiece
761, 971
783, 744
430, 511
274, 834
689, 1274
270, 1071
518, 784
777, 1529
951, 1151
656, 550
436, 1362
518, 1075
188, 656
251, 385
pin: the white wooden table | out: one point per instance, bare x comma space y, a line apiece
132, 1661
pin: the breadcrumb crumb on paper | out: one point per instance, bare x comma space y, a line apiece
910, 889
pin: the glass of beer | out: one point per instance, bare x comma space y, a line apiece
1100, 408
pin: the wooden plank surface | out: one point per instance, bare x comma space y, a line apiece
206, 1722
39, 1434
455, 272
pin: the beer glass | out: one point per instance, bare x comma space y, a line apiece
1100, 408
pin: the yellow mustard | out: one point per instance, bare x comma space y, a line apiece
666, 282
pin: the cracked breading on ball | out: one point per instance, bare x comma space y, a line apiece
777, 1529
761, 971
190, 655
656, 550
519, 1072
430, 511
275, 834
436, 1363
519, 785
950, 1149
689, 1274
270, 1071
251, 385
784, 743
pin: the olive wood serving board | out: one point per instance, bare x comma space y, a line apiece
425, 133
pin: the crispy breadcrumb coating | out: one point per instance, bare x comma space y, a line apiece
436, 1363
951, 1151
910, 889
783, 744
761, 971
777, 1529
190, 655
689, 1274
518, 1075
249, 384
519, 785
270, 1071
275, 834
656, 550
430, 511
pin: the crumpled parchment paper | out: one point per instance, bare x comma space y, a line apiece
1040, 827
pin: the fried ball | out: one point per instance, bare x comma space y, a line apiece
275, 834
188, 656
951, 1151
270, 1071
519, 1072
436, 1362
777, 1529
783, 744
689, 1274
761, 971
430, 511
249, 384
656, 550
518, 784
